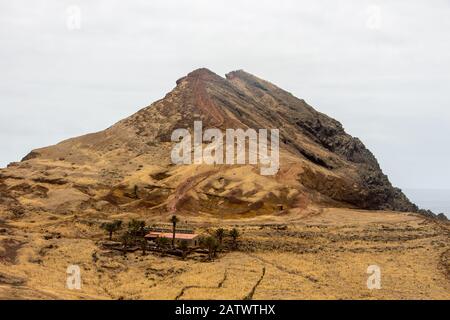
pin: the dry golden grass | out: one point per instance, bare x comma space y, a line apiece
323, 255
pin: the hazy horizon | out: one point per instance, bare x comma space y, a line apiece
372, 65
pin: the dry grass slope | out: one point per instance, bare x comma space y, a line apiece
318, 256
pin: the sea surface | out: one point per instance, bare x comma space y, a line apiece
436, 200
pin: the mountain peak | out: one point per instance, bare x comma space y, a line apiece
241, 73
320, 164
203, 74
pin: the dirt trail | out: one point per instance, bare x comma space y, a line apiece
220, 285
252, 293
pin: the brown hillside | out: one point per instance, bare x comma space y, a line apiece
127, 167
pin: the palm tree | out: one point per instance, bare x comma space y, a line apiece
211, 244
174, 219
136, 228
234, 234
111, 227
126, 239
220, 234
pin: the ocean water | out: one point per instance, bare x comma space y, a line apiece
436, 200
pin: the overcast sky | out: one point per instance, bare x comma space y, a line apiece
382, 68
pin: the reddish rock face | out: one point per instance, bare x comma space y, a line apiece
128, 166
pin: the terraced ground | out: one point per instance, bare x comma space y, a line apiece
322, 254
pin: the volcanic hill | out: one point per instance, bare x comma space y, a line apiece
127, 167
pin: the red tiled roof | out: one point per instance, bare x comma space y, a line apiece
169, 235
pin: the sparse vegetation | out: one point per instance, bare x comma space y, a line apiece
211, 244
184, 248
112, 227
234, 234
162, 243
300, 263
136, 228
134, 235
220, 234
127, 240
